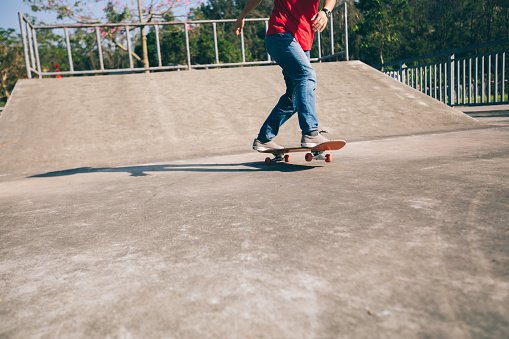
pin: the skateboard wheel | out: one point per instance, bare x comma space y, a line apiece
309, 157
328, 158
287, 158
267, 161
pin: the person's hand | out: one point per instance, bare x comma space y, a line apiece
319, 21
239, 25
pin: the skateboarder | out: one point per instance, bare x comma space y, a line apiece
289, 39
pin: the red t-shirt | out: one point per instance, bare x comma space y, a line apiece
294, 16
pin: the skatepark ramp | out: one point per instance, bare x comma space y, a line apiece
101, 121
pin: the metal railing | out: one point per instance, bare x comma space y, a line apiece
479, 79
33, 62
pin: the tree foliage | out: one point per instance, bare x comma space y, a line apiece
422, 27
229, 48
381, 27
11, 62
85, 11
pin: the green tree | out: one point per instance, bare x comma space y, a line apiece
11, 62
426, 26
172, 44
229, 49
380, 27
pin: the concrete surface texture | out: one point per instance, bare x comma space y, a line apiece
125, 214
57, 124
403, 237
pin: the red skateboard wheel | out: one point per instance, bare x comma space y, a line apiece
328, 158
309, 157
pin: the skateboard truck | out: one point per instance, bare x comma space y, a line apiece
318, 155
315, 153
278, 157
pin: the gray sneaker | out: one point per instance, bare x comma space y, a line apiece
264, 146
310, 142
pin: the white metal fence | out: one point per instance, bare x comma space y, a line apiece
33, 61
477, 79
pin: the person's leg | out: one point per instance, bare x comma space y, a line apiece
284, 110
300, 81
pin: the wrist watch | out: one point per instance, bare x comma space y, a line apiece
327, 12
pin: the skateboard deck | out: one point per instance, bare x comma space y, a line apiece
314, 153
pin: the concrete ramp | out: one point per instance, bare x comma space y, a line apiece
58, 124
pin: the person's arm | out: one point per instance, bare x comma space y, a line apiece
320, 19
239, 24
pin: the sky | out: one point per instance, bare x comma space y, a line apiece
9, 13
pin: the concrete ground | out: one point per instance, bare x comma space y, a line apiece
403, 237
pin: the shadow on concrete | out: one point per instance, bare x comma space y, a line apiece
489, 114
141, 171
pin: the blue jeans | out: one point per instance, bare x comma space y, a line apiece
300, 79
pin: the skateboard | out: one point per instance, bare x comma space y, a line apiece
314, 153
